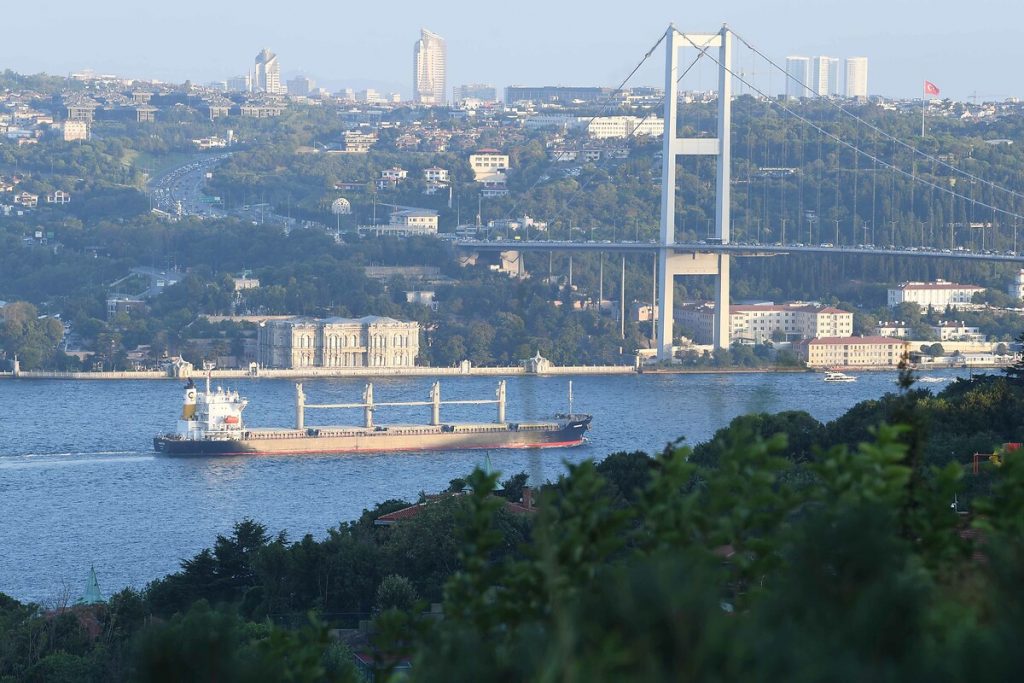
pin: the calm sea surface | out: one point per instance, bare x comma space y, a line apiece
80, 485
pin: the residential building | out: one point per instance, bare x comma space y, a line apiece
240, 83
643, 313
857, 77
1016, 288
488, 165
268, 73
75, 130
391, 177
260, 110
245, 281
798, 81
358, 142
847, 352
58, 197
897, 329
372, 341
116, 305
300, 86
556, 94
26, 199
938, 295
436, 175
430, 57
422, 297
480, 92
956, 330
371, 96
83, 109
825, 76
760, 323
413, 222
606, 127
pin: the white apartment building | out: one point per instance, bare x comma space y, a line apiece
856, 77
847, 352
939, 295
430, 65
371, 341
897, 329
75, 130
613, 127
413, 222
1016, 288
758, 323
489, 165
956, 330
394, 174
825, 76
798, 70
436, 175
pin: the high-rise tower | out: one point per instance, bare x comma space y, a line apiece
825, 76
856, 77
268, 73
430, 57
798, 70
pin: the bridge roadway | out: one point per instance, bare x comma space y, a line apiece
738, 249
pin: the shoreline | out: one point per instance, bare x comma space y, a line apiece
578, 370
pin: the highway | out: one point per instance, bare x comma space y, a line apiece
180, 190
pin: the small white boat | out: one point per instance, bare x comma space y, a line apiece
932, 379
833, 376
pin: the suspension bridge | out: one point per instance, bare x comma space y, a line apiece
935, 182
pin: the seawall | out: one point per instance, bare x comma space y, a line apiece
313, 373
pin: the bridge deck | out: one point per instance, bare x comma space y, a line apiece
738, 249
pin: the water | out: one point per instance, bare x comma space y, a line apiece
80, 485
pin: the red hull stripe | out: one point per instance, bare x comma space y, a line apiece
553, 444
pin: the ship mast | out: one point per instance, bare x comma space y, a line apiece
208, 366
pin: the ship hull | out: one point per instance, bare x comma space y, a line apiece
390, 439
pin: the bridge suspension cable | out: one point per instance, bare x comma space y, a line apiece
865, 122
840, 141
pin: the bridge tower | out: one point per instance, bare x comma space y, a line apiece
670, 263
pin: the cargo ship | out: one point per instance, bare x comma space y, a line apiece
211, 424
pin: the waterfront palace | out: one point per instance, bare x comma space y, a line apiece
372, 341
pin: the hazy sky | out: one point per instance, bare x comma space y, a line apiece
962, 47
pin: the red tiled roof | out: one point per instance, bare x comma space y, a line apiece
778, 308
937, 285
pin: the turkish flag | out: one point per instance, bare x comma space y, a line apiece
930, 88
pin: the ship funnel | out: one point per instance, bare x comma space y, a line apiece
300, 407
435, 404
368, 406
188, 407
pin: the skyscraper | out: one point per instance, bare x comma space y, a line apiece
430, 57
798, 70
268, 73
856, 76
825, 76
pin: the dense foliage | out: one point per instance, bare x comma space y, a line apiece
782, 549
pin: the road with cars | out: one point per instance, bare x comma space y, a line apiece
179, 191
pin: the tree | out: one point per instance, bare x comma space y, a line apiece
395, 592
32, 339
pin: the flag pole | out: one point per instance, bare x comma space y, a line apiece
924, 105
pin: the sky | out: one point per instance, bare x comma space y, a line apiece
966, 49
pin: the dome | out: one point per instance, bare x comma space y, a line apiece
341, 206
